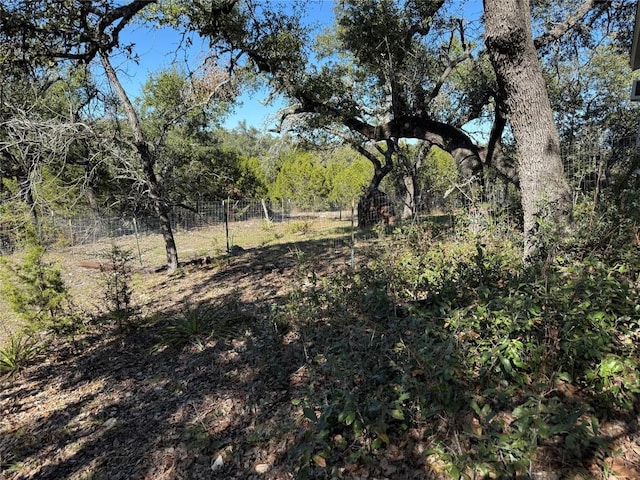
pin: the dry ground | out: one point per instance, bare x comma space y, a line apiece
123, 404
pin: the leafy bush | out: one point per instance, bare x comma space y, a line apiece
485, 361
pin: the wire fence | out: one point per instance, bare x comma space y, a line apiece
231, 216
587, 165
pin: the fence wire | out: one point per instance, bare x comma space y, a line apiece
586, 164
229, 215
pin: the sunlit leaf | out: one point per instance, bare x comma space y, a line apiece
320, 461
397, 413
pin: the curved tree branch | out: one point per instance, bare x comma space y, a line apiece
453, 63
571, 21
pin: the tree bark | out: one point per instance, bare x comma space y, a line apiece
25, 192
148, 161
409, 207
546, 196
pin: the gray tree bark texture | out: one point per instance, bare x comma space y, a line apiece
147, 160
546, 195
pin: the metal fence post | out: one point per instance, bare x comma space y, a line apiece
353, 234
135, 230
225, 213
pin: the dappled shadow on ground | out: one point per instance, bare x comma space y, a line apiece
259, 275
115, 409
134, 403
299, 365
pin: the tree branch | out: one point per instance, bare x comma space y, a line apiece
129, 109
562, 28
453, 63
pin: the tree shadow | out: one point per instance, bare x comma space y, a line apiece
334, 378
127, 410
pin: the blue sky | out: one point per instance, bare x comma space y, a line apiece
159, 49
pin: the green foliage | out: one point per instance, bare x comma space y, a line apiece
35, 290
20, 349
601, 102
488, 360
197, 324
433, 171
192, 327
439, 174
209, 171
300, 227
348, 178
16, 225
116, 279
253, 180
302, 180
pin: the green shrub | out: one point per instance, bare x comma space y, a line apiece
192, 327
20, 350
17, 225
489, 359
116, 279
198, 323
300, 227
35, 290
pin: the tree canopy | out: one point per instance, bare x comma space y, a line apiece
384, 71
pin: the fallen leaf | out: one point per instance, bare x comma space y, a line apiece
217, 464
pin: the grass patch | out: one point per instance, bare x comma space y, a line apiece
21, 348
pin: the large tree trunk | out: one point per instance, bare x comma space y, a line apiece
148, 161
546, 196
411, 167
374, 206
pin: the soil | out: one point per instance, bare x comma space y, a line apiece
136, 402
124, 403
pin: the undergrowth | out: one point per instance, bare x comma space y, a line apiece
19, 351
35, 290
116, 283
453, 358
196, 324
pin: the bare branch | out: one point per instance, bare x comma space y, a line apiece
453, 63
129, 109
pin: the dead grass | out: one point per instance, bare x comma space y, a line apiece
149, 253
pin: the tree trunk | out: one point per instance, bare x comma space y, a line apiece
25, 192
374, 205
409, 208
148, 161
546, 196
159, 206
